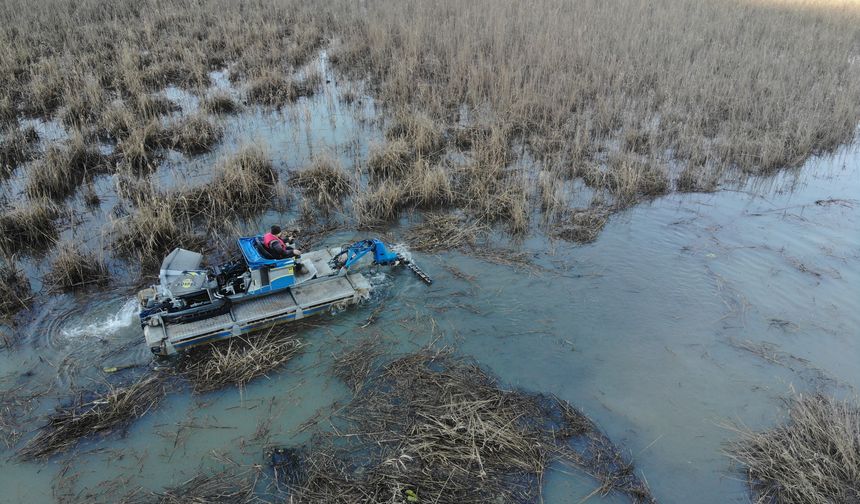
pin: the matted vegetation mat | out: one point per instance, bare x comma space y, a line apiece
432, 427
90, 414
814, 457
225, 487
239, 360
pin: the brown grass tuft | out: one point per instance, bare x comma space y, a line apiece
430, 186
394, 159
140, 144
195, 135
696, 179
381, 204
220, 102
29, 226
152, 232
152, 105
583, 225
420, 132
16, 148
325, 181
812, 458
15, 294
74, 268
273, 89
63, 169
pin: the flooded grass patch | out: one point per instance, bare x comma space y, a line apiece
16, 292
325, 182
74, 268
814, 457
63, 169
29, 226
16, 148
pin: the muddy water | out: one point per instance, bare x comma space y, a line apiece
688, 313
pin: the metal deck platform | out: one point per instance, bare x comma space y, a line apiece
309, 297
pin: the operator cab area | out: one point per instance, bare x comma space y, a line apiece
269, 274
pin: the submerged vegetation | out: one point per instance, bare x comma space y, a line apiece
813, 458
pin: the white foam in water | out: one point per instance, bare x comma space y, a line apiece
106, 326
403, 250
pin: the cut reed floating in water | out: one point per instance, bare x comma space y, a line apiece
354, 365
225, 487
116, 408
437, 428
812, 458
239, 360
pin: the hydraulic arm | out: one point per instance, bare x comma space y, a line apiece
382, 255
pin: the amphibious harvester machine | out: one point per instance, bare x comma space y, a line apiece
193, 305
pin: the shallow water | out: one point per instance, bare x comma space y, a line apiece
647, 330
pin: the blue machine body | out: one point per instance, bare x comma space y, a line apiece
354, 253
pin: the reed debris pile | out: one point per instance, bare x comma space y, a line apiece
354, 365
239, 360
114, 409
813, 458
437, 428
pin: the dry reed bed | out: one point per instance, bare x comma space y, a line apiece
441, 428
619, 101
813, 458
238, 361
114, 409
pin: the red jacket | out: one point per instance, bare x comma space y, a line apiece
268, 238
